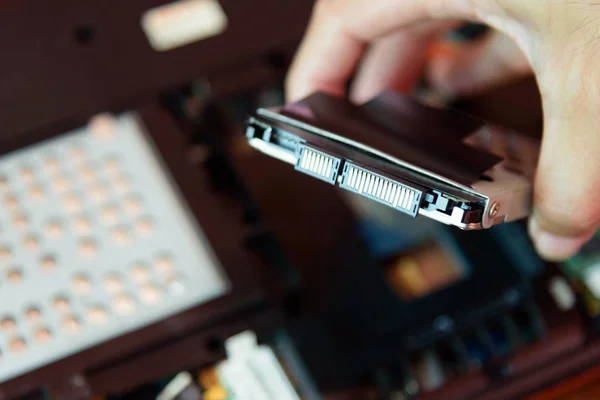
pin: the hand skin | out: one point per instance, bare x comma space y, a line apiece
386, 43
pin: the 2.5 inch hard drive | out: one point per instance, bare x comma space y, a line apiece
416, 159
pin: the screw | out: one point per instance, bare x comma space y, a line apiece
494, 209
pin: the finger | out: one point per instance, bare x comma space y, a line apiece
396, 61
567, 186
327, 38
340, 31
473, 68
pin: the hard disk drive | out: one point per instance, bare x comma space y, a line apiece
417, 159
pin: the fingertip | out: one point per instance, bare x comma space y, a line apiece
554, 247
299, 84
558, 248
533, 227
294, 88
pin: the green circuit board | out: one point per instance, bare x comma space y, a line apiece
583, 270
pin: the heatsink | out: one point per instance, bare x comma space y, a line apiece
96, 242
381, 189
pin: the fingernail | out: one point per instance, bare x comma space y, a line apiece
557, 248
554, 247
533, 228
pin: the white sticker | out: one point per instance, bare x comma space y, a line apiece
183, 22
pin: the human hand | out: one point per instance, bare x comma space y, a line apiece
386, 43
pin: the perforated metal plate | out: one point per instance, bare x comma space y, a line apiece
94, 242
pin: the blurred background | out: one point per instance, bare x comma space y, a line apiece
147, 252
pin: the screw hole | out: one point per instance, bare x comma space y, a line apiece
85, 35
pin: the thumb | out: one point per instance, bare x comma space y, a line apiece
567, 187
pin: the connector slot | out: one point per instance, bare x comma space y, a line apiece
318, 164
390, 192
253, 371
256, 129
275, 143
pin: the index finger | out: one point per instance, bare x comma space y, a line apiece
340, 31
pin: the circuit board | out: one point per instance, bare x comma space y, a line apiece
583, 270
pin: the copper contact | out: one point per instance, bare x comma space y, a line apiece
109, 215
97, 315
8, 324
87, 248
20, 221
81, 284
144, 227
33, 315
150, 294
10, 202
77, 154
27, 174
124, 305
61, 305
72, 203
36, 193
31, 242
120, 235
3, 183
17, 345
97, 193
82, 224
61, 184
113, 284
102, 126
14, 276
121, 185
133, 205
70, 325
51, 165
48, 263
54, 228
5, 253
112, 166
139, 273
42, 335
86, 173
164, 265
